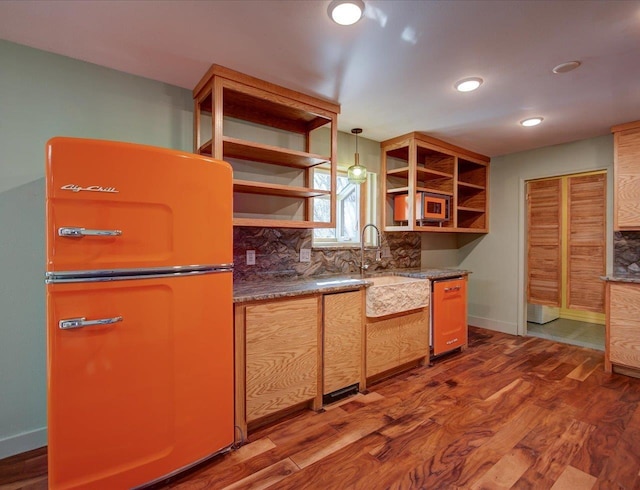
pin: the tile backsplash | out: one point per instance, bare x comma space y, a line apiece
626, 252
278, 254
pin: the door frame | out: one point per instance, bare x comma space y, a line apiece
522, 235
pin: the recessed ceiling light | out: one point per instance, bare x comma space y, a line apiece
468, 84
346, 12
532, 121
565, 67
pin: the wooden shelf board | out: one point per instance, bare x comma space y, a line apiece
402, 172
434, 191
472, 230
279, 223
471, 186
206, 149
471, 210
250, 187
422, 170
438, 229
258, 152
398, 190
283, 115
405, 190
397, 228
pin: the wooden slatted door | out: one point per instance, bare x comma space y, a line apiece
544, 225
586, 217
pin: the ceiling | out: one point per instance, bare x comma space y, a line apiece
392, 72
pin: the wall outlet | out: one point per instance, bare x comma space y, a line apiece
386, 252
251, 257
305, 255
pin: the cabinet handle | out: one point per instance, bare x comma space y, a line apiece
83, 322
453, 341
75, 232
455, 288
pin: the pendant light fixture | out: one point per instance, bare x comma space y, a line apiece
357, 174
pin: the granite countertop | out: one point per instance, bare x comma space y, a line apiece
634, 278
261, 289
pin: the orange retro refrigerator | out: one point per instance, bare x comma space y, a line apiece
139, 312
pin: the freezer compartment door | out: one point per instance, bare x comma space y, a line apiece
133, 399
449, 315
120, 206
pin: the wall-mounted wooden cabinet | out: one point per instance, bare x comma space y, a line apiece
266, 133
420, 167
626, 170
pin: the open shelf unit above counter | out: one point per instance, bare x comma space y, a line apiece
274, 138
431, 185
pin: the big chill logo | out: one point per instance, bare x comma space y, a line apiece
90, 188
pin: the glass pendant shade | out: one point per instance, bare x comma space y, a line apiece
357, 174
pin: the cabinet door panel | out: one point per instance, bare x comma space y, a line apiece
586, 260
414, 336
544, 218
281, 355
383, 344
627, 180
342, 340
624, 324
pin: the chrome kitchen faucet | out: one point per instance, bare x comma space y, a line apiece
363, 266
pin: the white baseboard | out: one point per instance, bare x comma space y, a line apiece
489, 324
25, 441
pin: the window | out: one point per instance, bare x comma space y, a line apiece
350, 201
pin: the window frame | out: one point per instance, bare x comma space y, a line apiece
367, 207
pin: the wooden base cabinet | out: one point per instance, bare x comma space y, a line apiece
342, 357
396, 340
623, 326
280, 343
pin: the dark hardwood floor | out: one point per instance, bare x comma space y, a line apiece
509, 412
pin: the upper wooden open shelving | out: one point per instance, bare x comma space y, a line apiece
224, 95
257, 152
415, 163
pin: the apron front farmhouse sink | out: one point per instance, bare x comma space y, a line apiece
395, 294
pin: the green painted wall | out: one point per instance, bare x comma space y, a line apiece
44, 95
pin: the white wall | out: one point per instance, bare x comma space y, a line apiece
496, 260
44, 95
439, 250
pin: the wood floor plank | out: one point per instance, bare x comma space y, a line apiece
347, 434
507, 470
582, 372
554, 457
572, 479
266, 477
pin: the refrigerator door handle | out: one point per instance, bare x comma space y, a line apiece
75, 232
83, 322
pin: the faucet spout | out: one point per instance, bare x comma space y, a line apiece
363, 266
